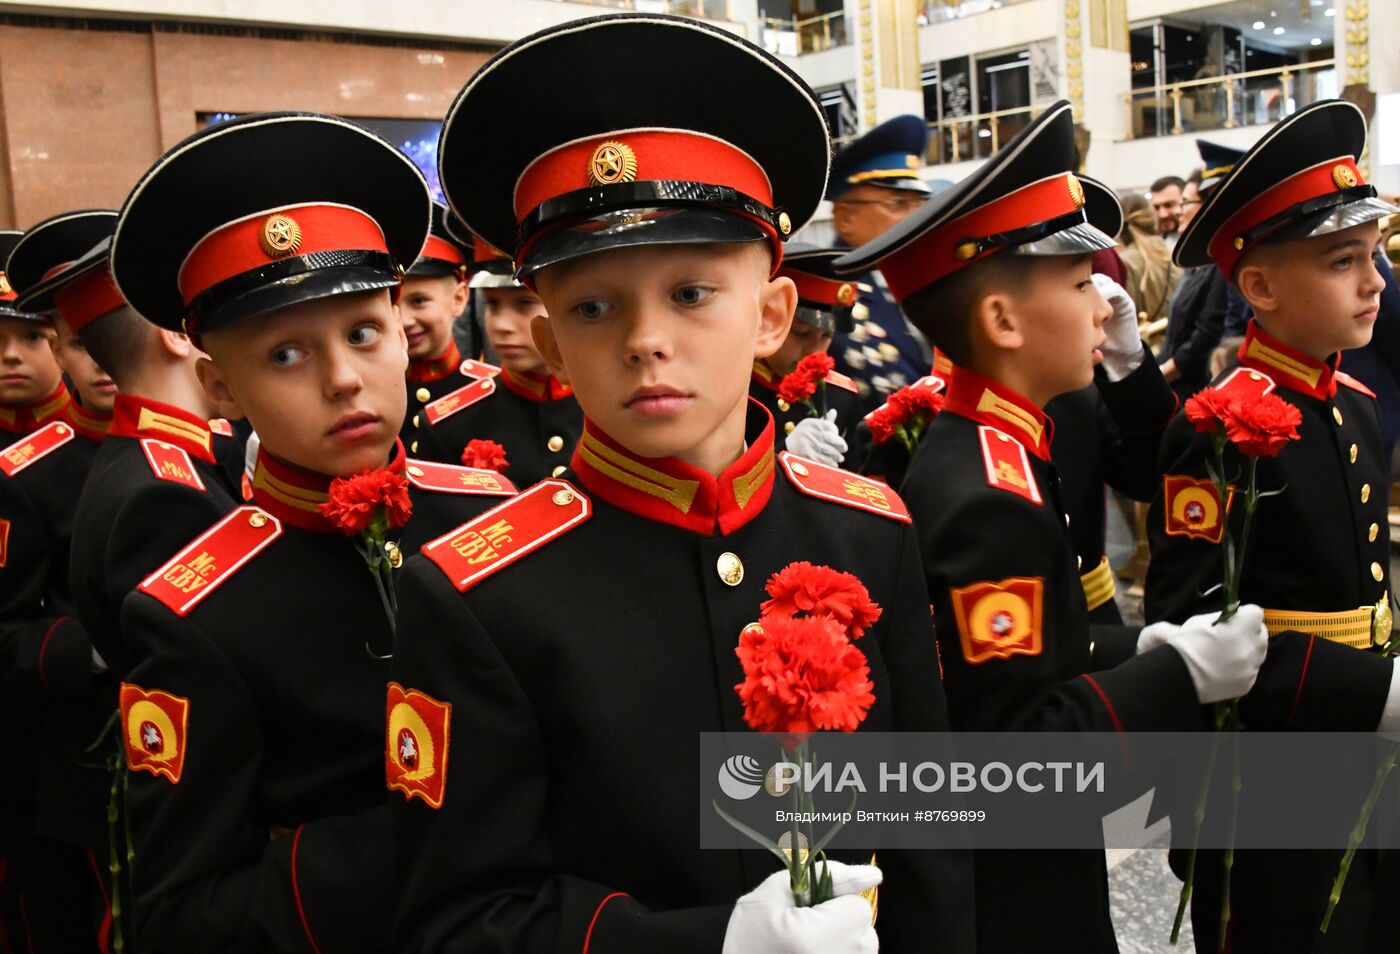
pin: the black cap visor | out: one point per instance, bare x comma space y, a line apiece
630, 228
236, 301
1322, 216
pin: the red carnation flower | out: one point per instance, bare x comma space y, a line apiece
802, 676
796, 387
821, 591
354, 502
1260, 427
881, 425
487, 455
1208, 410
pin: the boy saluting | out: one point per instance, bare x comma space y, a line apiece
252, 719
1294, 228
996, 271
563, 655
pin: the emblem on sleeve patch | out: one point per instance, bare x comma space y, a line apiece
212, 557
825, 482
455, 479
36, 446
504, 534
4, 541
1192, 508
1008, 466
450, 404
171, 463
1000, 620
154, 727
415, 751
473, 368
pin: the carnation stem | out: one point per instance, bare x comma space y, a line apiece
1232, 725
1199, 817
1358, 831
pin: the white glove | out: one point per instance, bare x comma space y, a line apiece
1390, 715
1123, 351
1223, 660
818, 439
766, 921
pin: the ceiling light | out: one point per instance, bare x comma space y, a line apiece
1316, 41
1329, 12
1258, 24
1278, 31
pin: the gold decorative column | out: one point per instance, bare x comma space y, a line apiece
887, 46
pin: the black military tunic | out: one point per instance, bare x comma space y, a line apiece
428, 380
534, 417
1320, 547
1018, 650
259, 820
1107, 434
840, 394
580, 679
153, 486
19, 421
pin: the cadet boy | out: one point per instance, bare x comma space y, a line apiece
996, 271
824, 305
32, 392
1293, 227
576, 639
434, 293
520, 405
252, 718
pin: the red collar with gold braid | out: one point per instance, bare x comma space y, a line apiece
141, 418
985, 401
293, 494
1287, 365
535, 387
669, 491
765, 376
427, 370
89, 424
27, 420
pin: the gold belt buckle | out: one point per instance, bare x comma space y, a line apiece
1382, 621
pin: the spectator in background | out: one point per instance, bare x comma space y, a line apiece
1165, 195
1378, 364
1151, 274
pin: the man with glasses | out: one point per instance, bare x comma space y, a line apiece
874, 185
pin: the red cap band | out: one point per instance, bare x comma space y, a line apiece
822, 291
255, 241
442, 250
1227, 245
934, 254
82, 302
54, 271
483, 253
646, 155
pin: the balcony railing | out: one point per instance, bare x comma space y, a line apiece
1255, 98
700, 9
938, 11
794, 37
977, 136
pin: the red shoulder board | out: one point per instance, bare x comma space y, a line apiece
154, 729
417, 728
825, 482
1008, 467
454, 479
1344, 378
841, 381
211, 558
506, 533
450, 404
473, 368
1246, 383
27, 450
221, 426
171, 463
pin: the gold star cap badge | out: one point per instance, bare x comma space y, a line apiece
5, 288
965, 251
784, 223
1343, 177
846, 294
1076, 192
612, 162
281, 236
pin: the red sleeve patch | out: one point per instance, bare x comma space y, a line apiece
211, 558
417, 729
1192, 508
455, 479
1008, 466
504, 534
33, 447
1000, 620
171, 463
450, 404
825, 482
154, 729
1344, 378
473, 368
